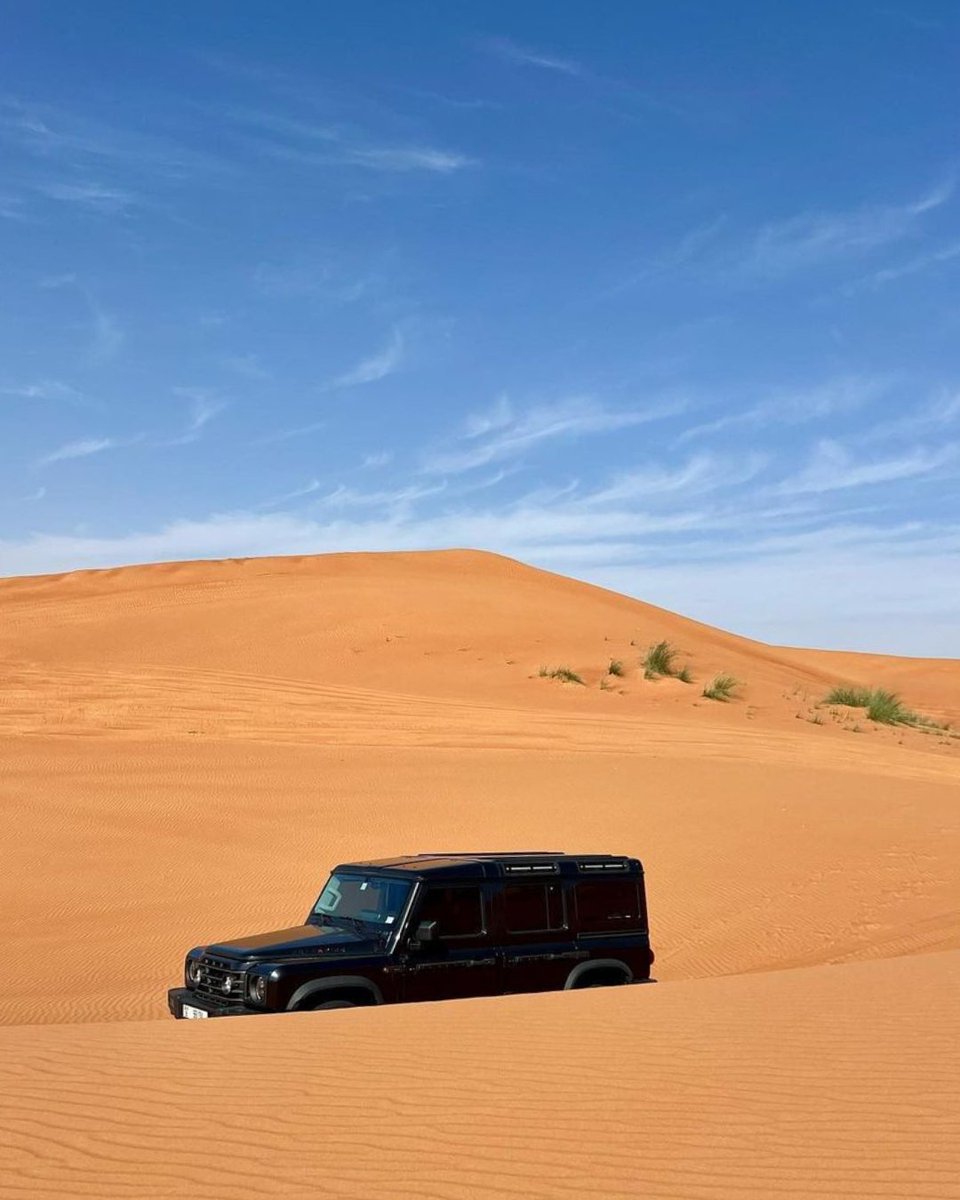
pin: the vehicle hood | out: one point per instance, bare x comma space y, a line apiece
291, 943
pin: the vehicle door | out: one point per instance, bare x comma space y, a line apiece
539, 950
461, 961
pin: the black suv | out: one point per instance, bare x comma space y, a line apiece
435, 927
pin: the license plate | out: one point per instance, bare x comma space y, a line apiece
191, 1013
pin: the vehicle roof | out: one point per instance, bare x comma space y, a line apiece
492, 865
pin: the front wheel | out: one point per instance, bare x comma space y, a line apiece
334, 1004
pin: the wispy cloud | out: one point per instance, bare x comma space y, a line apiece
923, 24
329, 145
101, 198
371, 461
935, 418
107, 336
797, 406
55, 137
392, 159
377, 367
205, 405
31, 497
286, 435
501, 433
509, 51
833, 467
700, 475
57, 281
13, 208
408, 158
315, 275
455, 102
82, 448
913, 266
814, 238
44, 389
395, 498
615, 97
687, 249
288, 497
247, 365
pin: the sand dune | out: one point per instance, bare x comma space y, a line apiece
188, 747
820, 1083
149, 848
280, 648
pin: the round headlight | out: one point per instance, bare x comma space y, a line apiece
193, 971
258, 988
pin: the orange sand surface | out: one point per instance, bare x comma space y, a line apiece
187, 748
831, 1081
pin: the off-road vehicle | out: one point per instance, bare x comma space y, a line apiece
435, 927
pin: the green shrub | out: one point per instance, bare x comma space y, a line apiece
659, 660
686, 675
721, 687
886, 708
852, 697
564, 674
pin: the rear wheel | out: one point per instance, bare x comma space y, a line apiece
334, 1004
595, 981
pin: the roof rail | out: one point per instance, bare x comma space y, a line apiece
532, 868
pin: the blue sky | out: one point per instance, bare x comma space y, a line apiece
664, 296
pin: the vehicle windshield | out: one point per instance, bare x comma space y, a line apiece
371, 899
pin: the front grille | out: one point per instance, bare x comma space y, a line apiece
213, 973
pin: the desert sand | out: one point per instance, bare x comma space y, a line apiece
187, 748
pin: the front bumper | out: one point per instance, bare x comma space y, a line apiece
178, 997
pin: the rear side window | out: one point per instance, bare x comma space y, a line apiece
458, 911
532, 907
608, 906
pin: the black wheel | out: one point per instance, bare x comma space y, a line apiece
602, 981
334, 1004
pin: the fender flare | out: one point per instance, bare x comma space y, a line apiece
336, 983
597, 964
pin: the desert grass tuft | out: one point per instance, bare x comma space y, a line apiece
686, 675
852, 697
721, 687
615, 668
659, 660
883, 707
564, 674
886, 709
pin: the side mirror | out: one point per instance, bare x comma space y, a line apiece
425, 932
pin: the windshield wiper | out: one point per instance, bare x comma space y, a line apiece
358, 923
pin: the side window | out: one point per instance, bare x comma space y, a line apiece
458, 911
608, 906
532, 908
